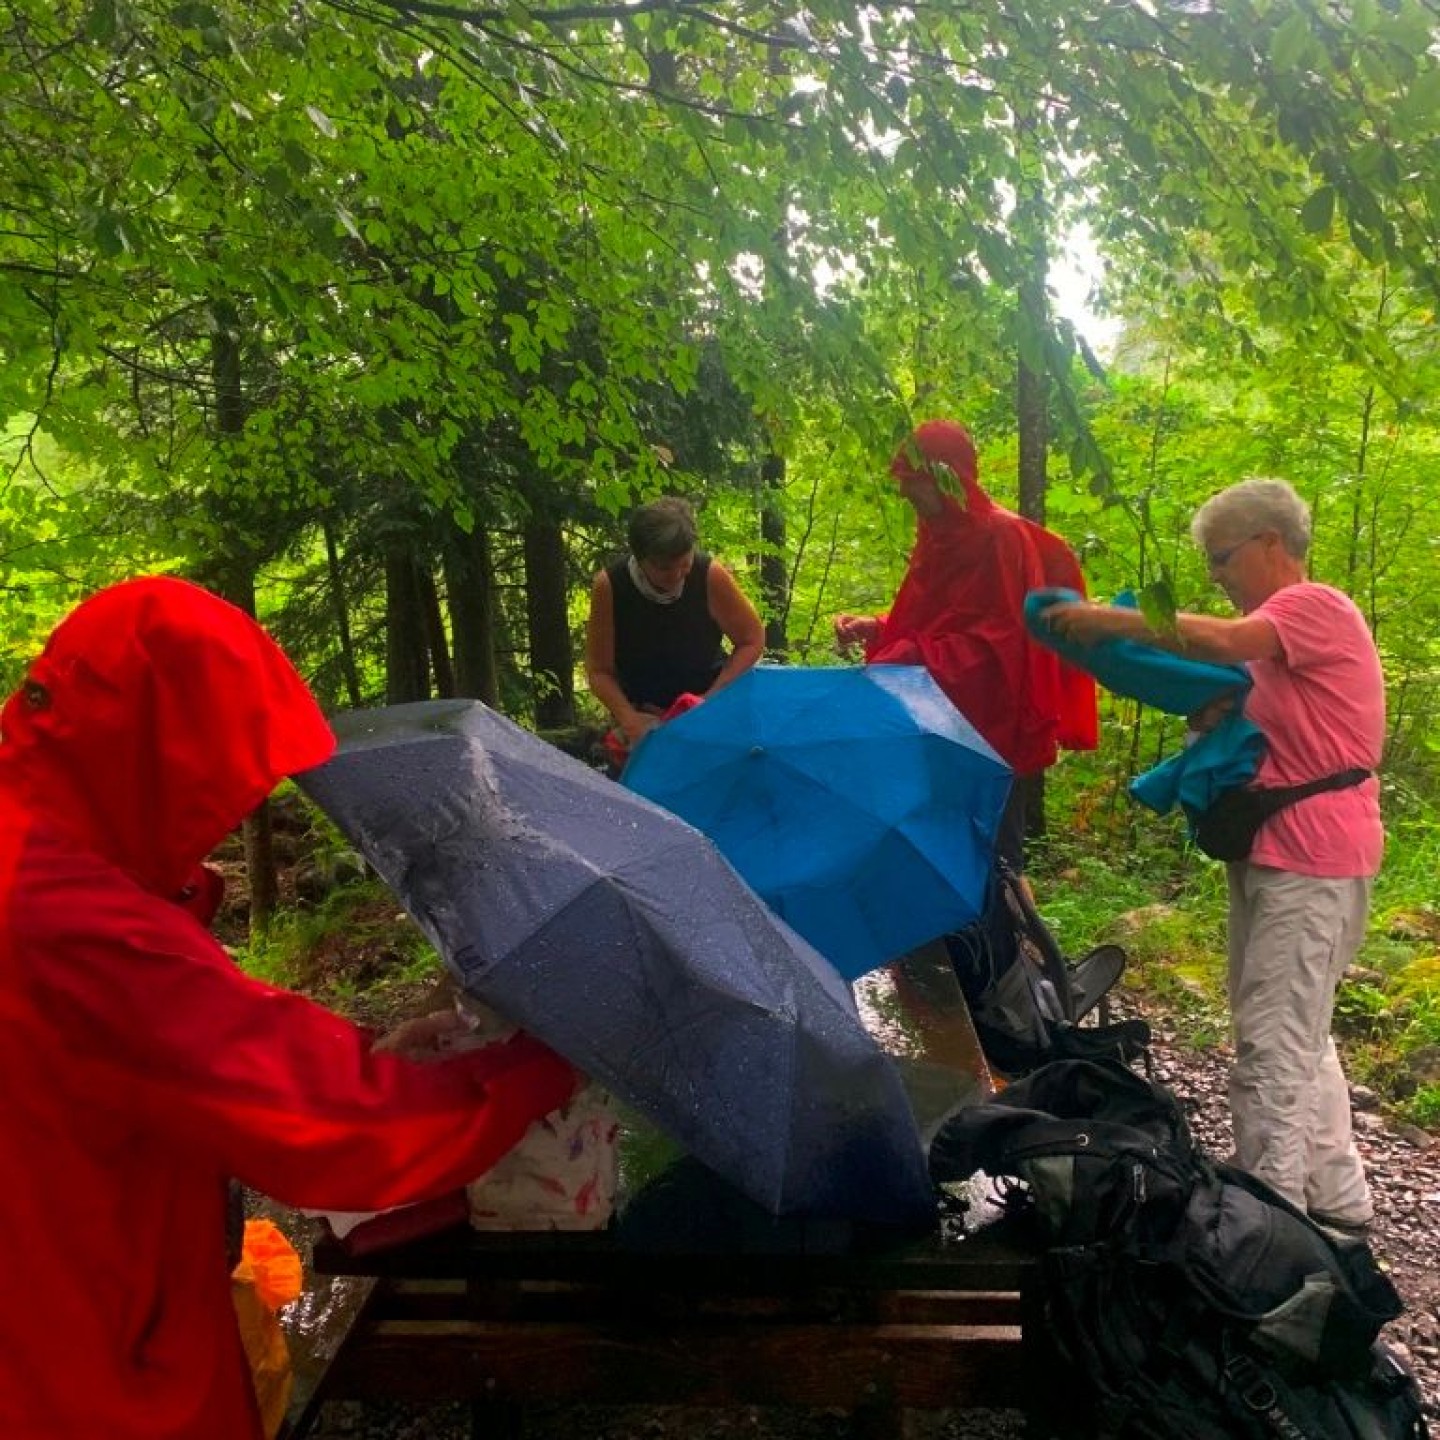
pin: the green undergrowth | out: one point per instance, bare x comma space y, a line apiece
356, 952
1109, 873
1143, 892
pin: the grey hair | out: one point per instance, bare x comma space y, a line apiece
1251, 508
662, 530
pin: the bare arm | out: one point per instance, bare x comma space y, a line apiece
738, 618
600, 662
857, 630
1202, 637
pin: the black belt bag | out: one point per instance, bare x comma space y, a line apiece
1226, 831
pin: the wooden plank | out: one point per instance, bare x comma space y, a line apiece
847, 1366
992, 1259
949, 1307
548, 1300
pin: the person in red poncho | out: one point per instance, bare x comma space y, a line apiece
959, 612
141, 1067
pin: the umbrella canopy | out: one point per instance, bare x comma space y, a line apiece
622, 938
858, 802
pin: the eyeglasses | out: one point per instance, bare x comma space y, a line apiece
1219, 559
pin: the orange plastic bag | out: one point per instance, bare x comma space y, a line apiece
268, 1276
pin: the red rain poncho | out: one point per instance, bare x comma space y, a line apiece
140, 1067
960, 613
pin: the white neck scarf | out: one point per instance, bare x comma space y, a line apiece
647, 589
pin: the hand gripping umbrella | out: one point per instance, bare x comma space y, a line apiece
858, 802
621, 937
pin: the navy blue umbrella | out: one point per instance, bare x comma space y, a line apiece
859, 803
620, 936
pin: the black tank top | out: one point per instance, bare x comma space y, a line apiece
661, 651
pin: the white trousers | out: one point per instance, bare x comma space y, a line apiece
1290, 940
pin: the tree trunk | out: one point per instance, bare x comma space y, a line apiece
1031, 405
237, 585
435, 640
774, 575
547, 614
349, 666
469, 588
406, 651
1032, 381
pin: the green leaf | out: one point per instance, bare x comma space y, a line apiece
1158, 606
1318, 212
1291, 43
1420, 105
321, 121
103, 22
192, 16
1363, 16
110, 238
1375, 66
296, 156
275, 180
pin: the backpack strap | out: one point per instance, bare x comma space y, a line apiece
1029, 926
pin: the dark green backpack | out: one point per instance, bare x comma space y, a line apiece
1186, 1300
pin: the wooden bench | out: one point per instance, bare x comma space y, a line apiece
504, 1322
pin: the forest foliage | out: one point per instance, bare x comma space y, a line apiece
377, 315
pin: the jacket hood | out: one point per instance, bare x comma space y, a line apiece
157, 717
948, 443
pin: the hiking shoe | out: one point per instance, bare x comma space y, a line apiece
1345, 1229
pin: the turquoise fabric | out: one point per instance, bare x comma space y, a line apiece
1141, 672
1218, 760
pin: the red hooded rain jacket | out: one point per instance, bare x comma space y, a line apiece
960, 613
139, 1066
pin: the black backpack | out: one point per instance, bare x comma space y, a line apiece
1184, 1299
1026, 997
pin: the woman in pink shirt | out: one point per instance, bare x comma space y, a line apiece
1298, 902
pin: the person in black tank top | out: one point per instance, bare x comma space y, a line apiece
660, 619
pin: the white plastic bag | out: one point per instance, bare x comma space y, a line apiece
562, 1174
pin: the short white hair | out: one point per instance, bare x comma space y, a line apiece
1251, 508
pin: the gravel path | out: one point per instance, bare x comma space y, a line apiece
1404, 1170
1403, 1166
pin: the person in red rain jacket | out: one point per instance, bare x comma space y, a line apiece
140, 1067
960, 613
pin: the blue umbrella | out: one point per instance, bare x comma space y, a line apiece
621, 937
858, 802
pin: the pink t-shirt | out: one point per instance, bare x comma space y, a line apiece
1322, 708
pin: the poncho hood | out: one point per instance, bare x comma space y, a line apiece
157, 717
959, 612
948, 443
